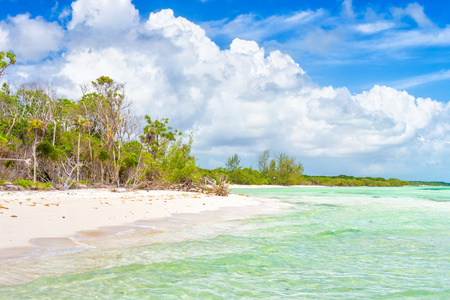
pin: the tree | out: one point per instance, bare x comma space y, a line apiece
37, 128
80, 122
179, 163
3, 63
233, 163
102, 156
111, 116
11, 109
263, 161
285, 169
158, 135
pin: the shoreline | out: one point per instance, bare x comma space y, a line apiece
33, 223
266, 186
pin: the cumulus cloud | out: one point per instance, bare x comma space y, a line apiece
117, 14
31, 39
244, 99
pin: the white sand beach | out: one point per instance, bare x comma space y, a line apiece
29, 216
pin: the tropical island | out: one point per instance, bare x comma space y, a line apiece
50, 142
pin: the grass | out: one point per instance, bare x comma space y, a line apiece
28, 183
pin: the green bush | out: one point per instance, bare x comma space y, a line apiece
24, 183
47, 150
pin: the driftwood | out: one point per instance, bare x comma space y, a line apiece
27, 161
206, 185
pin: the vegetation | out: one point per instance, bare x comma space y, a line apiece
429, 183
284, 170
46, 140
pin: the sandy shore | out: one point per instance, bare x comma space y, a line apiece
31, 219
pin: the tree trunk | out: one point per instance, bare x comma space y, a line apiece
101, 168
54, 132
34, 160
78, 157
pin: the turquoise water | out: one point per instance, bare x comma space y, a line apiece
331, 243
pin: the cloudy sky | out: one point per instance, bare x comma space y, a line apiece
345, 86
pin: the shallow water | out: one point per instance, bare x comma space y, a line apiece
331, 243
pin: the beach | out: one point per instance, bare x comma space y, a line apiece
283, 242
31, 220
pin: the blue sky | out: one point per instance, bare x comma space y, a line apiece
422, 69
348, 87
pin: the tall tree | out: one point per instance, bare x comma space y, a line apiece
263, 161
37, 128
111, 113
80, 122
233, 162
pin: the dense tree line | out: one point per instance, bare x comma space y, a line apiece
93, 140
96, 139
282, 169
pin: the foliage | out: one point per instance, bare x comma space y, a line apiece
429, 183
4, 63
263, 161
47, 150
103, 155
158, 136
28, 183
233, 163
179, 164
282, 169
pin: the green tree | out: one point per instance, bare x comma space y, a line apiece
233, 163
111, 116
4, 63
158, 135
284, 169
263, 161
179, 163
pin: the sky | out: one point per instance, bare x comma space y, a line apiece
347, 87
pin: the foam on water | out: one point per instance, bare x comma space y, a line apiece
332, 243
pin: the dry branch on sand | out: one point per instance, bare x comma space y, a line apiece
205, 185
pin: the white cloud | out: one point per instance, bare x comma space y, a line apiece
422, 79
370, 28
416, 12
320, 33
347, 8
104, 14
3, 38
31, 39
257, 28
244, 99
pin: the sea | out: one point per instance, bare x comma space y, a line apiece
324, 243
